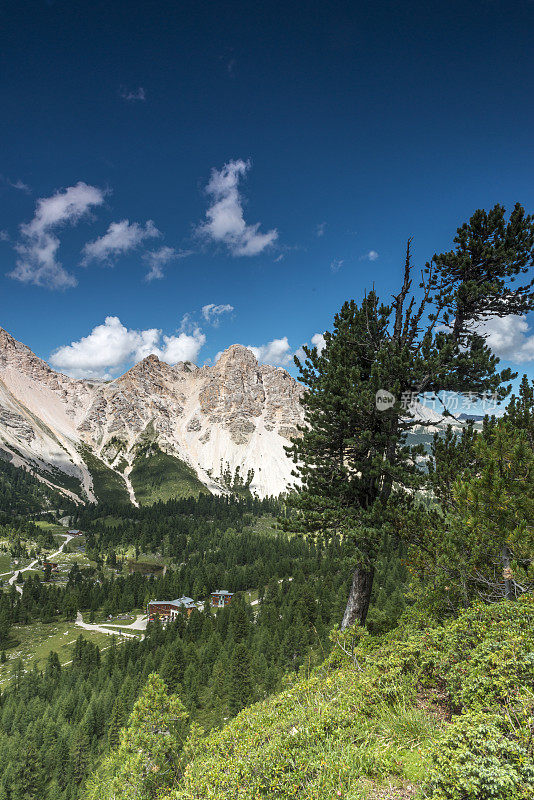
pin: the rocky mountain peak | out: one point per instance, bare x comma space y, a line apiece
236, 356
234, 414
151, 359
150, 367
8, 343
20, 359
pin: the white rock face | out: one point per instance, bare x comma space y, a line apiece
235, 414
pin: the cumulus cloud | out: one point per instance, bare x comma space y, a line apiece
225, 222
133, 95
157, 259
38, 246
110, 347
509, 337
212, 313
321, 227
278, 352
120, 238
318, 341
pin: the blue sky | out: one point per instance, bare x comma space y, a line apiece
269, 157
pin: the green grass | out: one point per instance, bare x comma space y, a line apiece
107, 485
67, 559
266, 526
5, 562
158, 476
111, 521
318, 739
53, 527
32, 643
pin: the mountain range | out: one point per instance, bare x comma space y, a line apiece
156, 432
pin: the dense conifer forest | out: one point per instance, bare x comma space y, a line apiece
218, 663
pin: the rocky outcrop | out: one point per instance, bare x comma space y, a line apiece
235, 413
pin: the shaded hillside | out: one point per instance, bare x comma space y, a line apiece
159, 476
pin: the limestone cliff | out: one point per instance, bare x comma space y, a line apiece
235, 414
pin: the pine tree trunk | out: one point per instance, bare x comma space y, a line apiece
507, 573
359, 597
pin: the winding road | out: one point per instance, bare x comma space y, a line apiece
138, 625
13, 578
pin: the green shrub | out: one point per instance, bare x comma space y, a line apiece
480, 758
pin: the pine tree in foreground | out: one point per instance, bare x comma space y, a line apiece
149, 754
358, 475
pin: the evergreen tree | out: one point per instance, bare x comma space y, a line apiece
520, 410
240, 678
28, 781
79, 756
116, 722
173, 665
148, 756
356, 468
484, 546
239, 622
53, 666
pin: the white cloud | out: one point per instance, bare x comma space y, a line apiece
372, 255
120, 238
133, 95
4, 236
336, 264
318, 341
111, 347
157, 259
38, 247
509, 337
225, 222
278, 352
20, 185
212, 313
183, 347
321, 227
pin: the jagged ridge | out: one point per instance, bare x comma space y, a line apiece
236, 414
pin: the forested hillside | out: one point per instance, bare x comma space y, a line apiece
219, 663
444, 711
22, 493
